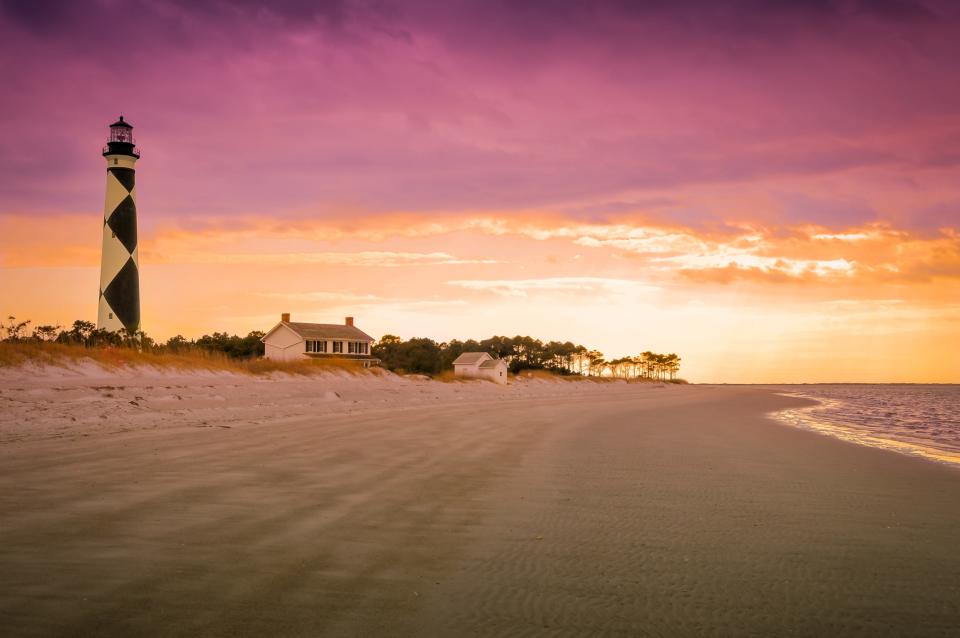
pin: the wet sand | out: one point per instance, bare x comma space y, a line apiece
623, 511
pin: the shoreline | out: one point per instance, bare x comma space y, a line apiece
805, 418
622, 510
89, 386
87, 399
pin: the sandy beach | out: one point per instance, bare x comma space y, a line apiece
215, 505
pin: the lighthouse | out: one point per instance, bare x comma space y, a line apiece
119, 305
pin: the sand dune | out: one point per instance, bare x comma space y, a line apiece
224, 506
86, 399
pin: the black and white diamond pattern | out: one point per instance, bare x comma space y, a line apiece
119, 273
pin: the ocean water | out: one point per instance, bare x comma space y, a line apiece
922, 420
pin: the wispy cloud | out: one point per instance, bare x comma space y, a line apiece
322, 296
366, 258
778, 265
524, 287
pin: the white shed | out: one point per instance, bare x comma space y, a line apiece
290, 340
480, 365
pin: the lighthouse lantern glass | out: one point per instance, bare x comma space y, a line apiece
121, 134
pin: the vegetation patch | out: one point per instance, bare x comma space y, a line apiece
426, 356
449, 376
14, 354
533, 358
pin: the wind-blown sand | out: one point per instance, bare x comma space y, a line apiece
220, 505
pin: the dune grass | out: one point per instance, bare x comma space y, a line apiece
553, 376
53, 354
14, 354
449, 376
548, 375
305, 366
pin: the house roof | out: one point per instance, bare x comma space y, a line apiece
471, 358
491, 363
324, 331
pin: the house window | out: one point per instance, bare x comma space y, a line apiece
321, 346
338, 347
309, 346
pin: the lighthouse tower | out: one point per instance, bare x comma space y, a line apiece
119, 273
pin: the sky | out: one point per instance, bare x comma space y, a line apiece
769, 189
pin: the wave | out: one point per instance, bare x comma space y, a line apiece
920, 421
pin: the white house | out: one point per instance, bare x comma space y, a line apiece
480, 365
289, 340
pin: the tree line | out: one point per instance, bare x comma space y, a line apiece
417, 355
426, 356
85, 333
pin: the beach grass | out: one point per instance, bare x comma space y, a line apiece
449, 376
549, 375
18, 353
46, 353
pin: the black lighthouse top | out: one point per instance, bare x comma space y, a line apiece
121, 140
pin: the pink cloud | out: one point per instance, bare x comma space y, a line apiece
292, 111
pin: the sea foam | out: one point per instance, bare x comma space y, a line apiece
921, 420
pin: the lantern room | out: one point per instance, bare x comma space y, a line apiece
121, 140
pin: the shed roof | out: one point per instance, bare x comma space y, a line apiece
492, 363
471, 358
324, 331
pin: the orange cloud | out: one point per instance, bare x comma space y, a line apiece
365, 258
570, 285
64, 240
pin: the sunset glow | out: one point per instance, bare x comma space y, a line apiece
773, 193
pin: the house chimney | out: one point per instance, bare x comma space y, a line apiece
349, 321
285, 317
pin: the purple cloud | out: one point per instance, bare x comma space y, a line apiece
293, 109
